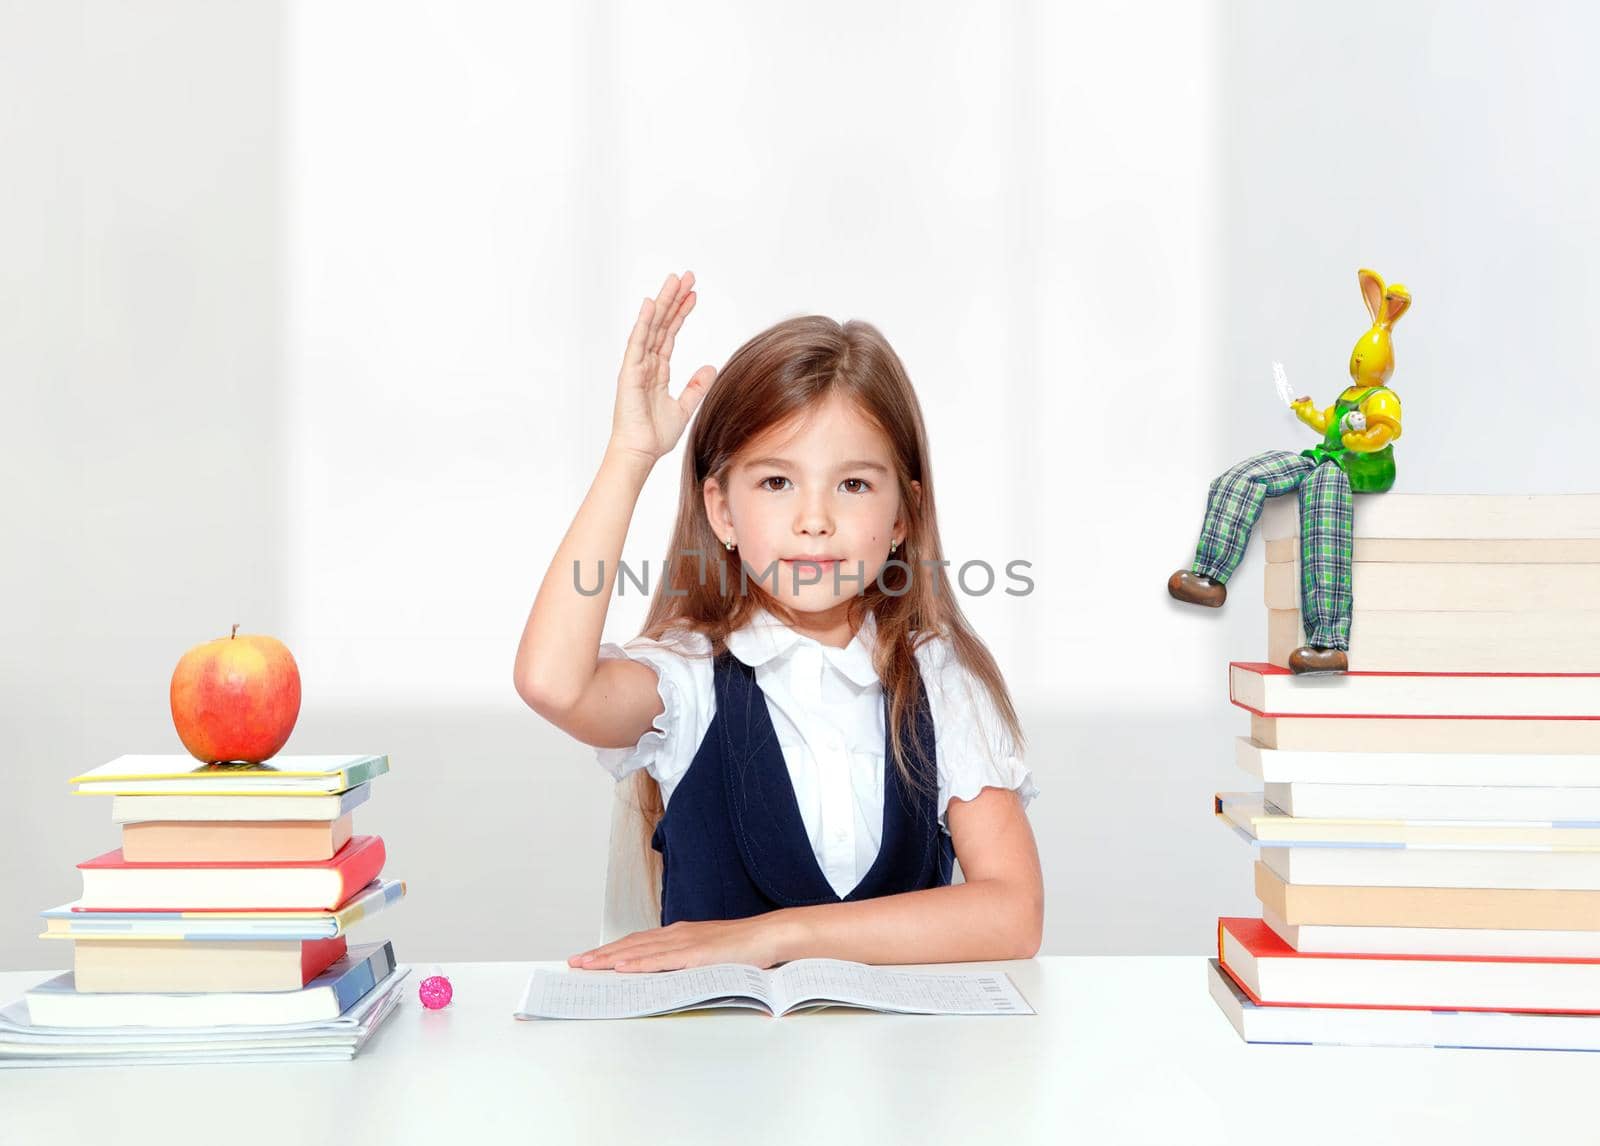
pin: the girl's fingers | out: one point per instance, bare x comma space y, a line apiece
668, 308
603, 950
630, 952
669, 336
632, 940
665, 353
641, 327
685, 288
611, 948
673, 960
664, 307
684, 307
661, 956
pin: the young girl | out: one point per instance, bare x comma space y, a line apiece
814, 732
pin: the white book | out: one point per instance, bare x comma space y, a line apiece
1454, 516
1264, 823
1459, 587
1385, 734
1395, 1027
1426, 550
1495, 769
800, 985
1334, 938
24, 1045
1271, 690
1273, 973
1577, 806
1558, 640
146, 809
17, 1025
1386, 866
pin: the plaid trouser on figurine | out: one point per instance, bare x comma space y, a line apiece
1327, 532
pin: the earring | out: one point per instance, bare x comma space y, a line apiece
728, 544
892, 546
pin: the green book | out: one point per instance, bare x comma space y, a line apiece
178, 774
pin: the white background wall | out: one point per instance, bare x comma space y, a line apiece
311, 314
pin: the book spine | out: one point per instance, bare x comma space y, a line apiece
392, 892
353, 986
365, 770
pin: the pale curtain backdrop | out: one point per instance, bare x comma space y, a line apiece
312, 314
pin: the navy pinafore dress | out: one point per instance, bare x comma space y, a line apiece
732, 840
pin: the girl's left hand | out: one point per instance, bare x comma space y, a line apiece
756, 939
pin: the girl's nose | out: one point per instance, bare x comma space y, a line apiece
815, 524
816, 517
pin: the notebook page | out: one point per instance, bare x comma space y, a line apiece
634, 994
904, 992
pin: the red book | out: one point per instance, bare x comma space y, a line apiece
182, 966
1271, 690
109, 881
1274, 974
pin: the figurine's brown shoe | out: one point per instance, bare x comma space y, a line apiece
1197, 589
1308, 660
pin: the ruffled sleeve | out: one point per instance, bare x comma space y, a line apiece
974, 747
667, 748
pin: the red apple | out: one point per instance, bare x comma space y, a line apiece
236, 698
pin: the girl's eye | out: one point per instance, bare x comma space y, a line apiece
862, 482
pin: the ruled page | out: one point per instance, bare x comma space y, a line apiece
811, 981
632, 995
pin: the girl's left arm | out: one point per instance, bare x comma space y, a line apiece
998, 913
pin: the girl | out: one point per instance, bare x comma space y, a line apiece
814, 733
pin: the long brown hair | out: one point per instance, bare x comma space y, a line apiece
782, 372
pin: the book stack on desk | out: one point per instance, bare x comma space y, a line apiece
1428, 826
218, 930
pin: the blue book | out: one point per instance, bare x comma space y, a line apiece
66, 922
58, 1003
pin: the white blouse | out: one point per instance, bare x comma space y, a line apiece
828, 713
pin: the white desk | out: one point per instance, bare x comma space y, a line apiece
1124, 1049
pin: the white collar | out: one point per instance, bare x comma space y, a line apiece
765, 636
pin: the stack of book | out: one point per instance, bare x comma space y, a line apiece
1428, 829
218, 930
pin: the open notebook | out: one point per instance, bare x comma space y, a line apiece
800, 985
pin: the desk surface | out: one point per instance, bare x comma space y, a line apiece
1124, 1049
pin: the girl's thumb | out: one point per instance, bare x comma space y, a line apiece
695, 391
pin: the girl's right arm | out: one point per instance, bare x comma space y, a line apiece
558, 671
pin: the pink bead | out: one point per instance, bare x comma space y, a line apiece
435, 992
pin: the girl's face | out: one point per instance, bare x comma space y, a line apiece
822, 486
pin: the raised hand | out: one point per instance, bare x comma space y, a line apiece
648, 420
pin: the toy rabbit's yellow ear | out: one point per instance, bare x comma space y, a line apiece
1372, 291
1396, 301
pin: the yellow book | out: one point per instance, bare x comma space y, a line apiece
181, 774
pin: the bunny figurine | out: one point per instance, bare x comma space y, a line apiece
1356, 455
